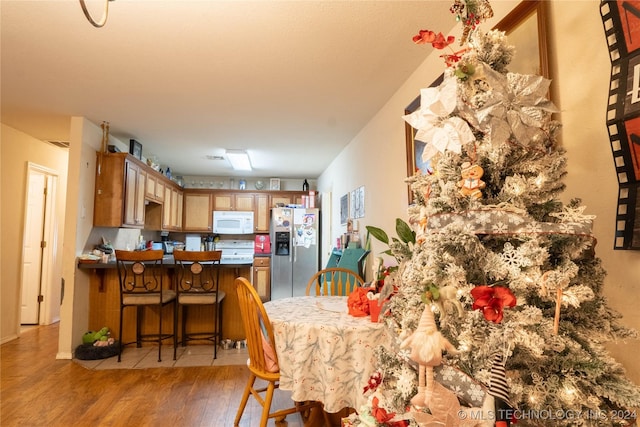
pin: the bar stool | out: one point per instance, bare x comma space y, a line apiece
141, 275
197, 278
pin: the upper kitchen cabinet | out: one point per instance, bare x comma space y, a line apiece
232, 201
120, 191
172, 210
155, 188
262, 213
287, 198
198, 211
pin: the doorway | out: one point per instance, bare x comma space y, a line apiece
39, 241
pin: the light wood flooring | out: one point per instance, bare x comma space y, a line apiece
38, 390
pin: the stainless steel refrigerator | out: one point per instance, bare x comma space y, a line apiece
295, 250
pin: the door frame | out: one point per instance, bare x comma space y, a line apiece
46, 309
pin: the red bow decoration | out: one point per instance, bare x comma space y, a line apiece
374, 381
491, 301
437, 40
358, 302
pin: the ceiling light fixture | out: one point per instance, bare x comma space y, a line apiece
239, 160
104, 16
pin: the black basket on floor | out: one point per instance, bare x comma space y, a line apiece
91, 352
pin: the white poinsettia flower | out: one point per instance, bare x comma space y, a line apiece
434, 127
517, 106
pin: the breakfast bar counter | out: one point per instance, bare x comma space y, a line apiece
104, 301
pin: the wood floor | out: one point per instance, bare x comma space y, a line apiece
38, 390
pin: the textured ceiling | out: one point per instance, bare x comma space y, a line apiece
292, 82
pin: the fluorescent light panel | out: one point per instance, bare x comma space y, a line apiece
239, 160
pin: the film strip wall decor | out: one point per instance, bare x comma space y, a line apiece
621, 20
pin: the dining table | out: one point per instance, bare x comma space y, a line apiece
324, 353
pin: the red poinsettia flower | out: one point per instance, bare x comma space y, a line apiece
380, 414
437, 40
358, 303
491, 301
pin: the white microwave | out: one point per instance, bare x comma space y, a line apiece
233, 222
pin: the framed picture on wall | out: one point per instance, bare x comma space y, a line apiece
274, 184
344, 209
135, 148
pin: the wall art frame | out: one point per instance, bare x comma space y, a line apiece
274, 184
135, 149
526, 24
344, 209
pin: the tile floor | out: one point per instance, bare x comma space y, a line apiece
147, 357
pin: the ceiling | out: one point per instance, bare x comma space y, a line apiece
291, 82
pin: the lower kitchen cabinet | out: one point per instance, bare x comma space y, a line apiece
262, 277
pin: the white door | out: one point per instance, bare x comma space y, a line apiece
32, 249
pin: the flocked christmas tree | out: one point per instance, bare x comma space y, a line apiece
497, 308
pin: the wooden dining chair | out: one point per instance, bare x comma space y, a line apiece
263, 360
197, 279
141, 275
334, 281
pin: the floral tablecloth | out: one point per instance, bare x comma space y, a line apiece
324, 353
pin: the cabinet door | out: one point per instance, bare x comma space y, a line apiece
280, 198
244, 202
150, 192
134, 195
180, 207
166, 209
159, 190
198, 215
262, 277
174, 209
261, 220
140, 191
222, 201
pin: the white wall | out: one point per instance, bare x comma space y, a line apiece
85, 140
580, 70
376, 158
17, 149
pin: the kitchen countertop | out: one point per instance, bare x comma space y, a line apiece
167, 261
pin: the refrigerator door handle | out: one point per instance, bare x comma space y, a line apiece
295, 253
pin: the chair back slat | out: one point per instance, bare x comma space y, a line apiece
198, 272
140, 271
334, 281
256, 323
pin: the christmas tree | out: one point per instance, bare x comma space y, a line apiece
496, 303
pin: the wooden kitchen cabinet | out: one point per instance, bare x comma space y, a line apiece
172, 210
230, 201
262, 277
134, 195
262, 213
120, 191
198, 211
154, 188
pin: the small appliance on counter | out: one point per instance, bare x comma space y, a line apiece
167, 245
192, 242
262, 244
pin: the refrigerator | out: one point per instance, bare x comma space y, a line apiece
295, 250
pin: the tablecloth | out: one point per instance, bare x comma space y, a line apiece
324, 353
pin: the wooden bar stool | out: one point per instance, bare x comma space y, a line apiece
141, 275
197, 278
